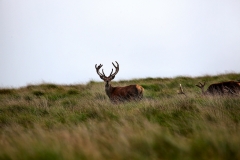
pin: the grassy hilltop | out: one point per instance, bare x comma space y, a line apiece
49, 121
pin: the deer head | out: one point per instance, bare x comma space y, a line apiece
106, 79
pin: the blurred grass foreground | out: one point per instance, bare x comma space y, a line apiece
49, 121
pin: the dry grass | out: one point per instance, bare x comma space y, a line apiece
50, 121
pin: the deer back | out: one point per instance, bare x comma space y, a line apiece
127, 92
229, 87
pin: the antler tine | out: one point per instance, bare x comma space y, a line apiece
102, 75
201, 85
97, 69
198, 85
117, 69
114, 64
111, 73
181, 90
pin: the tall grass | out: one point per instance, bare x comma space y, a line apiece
49, 121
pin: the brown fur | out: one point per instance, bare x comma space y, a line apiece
131, 92
223, 88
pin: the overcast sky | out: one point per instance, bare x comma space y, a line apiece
60, 41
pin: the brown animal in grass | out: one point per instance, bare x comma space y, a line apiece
131, 92
222, 88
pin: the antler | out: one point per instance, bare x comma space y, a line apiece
200, 85
103, 76
112, 76
181, 90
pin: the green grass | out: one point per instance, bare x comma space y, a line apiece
49, 121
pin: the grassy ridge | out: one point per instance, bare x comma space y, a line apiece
51, 121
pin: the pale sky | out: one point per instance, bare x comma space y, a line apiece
60, 41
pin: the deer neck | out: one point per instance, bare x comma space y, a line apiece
108, 89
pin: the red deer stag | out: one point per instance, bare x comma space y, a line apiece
131, 92
222, 88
